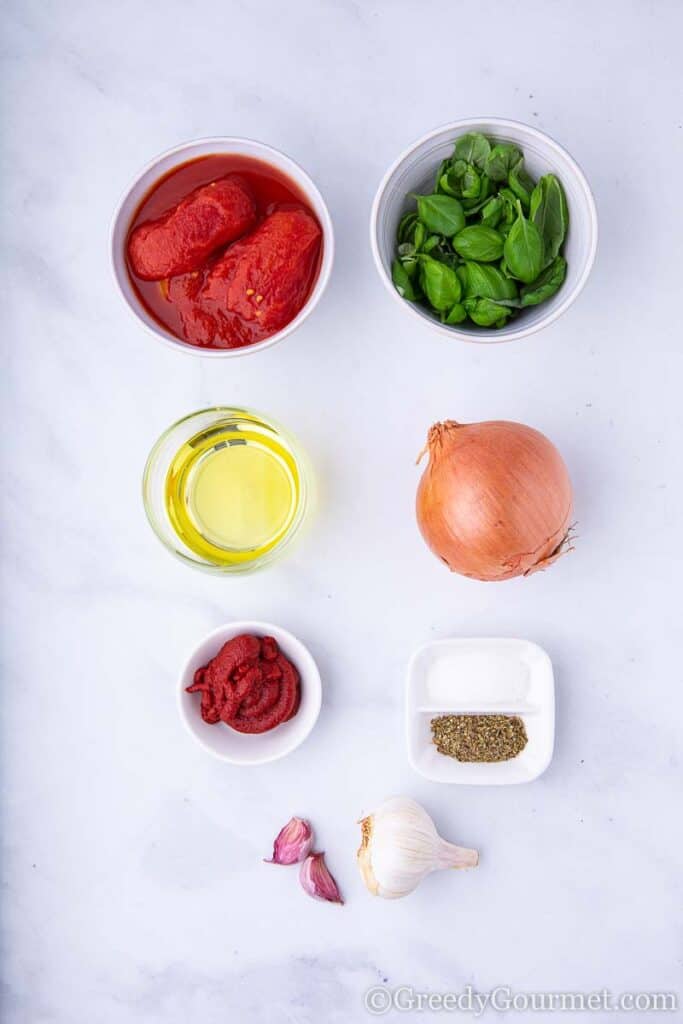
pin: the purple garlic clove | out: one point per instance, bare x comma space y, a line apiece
317, 881
293, 842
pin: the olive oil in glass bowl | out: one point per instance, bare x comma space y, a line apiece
226, 490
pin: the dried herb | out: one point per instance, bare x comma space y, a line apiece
479, 737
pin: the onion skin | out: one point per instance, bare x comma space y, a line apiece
495, 500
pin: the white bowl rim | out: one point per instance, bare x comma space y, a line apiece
487, 336
224, 633
327, 262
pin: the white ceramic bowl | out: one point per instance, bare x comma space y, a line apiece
240, 748
414, 171
480, 676
158, 168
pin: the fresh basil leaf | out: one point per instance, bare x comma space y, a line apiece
545, 285
482, 280
478, 242
523, 249
445, 185
473, 148
431, 243
404, 286
406, 249
457, 314
487, 313
509, 205
462, 181
500, 160
549, 213
419, 235
443, 167
441, 215
504, 269
492, 212
471, 183
440, 283
521, 183
405, 225
449, 258
472, 206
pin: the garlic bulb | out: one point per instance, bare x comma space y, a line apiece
400, 845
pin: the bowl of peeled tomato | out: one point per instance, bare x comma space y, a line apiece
222, 247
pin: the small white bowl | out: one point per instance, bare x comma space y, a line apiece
480, 676
240, 748
158, 168
414, 171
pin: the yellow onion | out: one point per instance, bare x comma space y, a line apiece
495, 500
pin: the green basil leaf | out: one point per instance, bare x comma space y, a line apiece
419, 235
482, 280
431, 243
545, 285
457, 314
404, 286
443, 167
472, 206
406, 225
523, 249
441, 215
509, 205
406, 249
500, 160
521, 183
462, 181
471, 183
473, 148
492, 212
478, 242
446, 186
449, 258
487, 313
550, 215
439, 282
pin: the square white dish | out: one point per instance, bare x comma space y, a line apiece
480, 676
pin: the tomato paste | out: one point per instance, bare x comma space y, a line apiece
224, 251
250, 685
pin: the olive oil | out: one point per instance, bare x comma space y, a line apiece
234, 490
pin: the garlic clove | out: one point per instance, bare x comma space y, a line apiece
317, 881
400, 845
293, 842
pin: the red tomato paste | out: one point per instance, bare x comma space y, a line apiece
224, 251
250, 685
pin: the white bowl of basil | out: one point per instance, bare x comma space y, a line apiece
484, 228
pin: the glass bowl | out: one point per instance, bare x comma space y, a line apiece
197, 430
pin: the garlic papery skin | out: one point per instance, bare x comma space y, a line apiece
400, 845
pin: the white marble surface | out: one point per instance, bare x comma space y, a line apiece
133, 884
